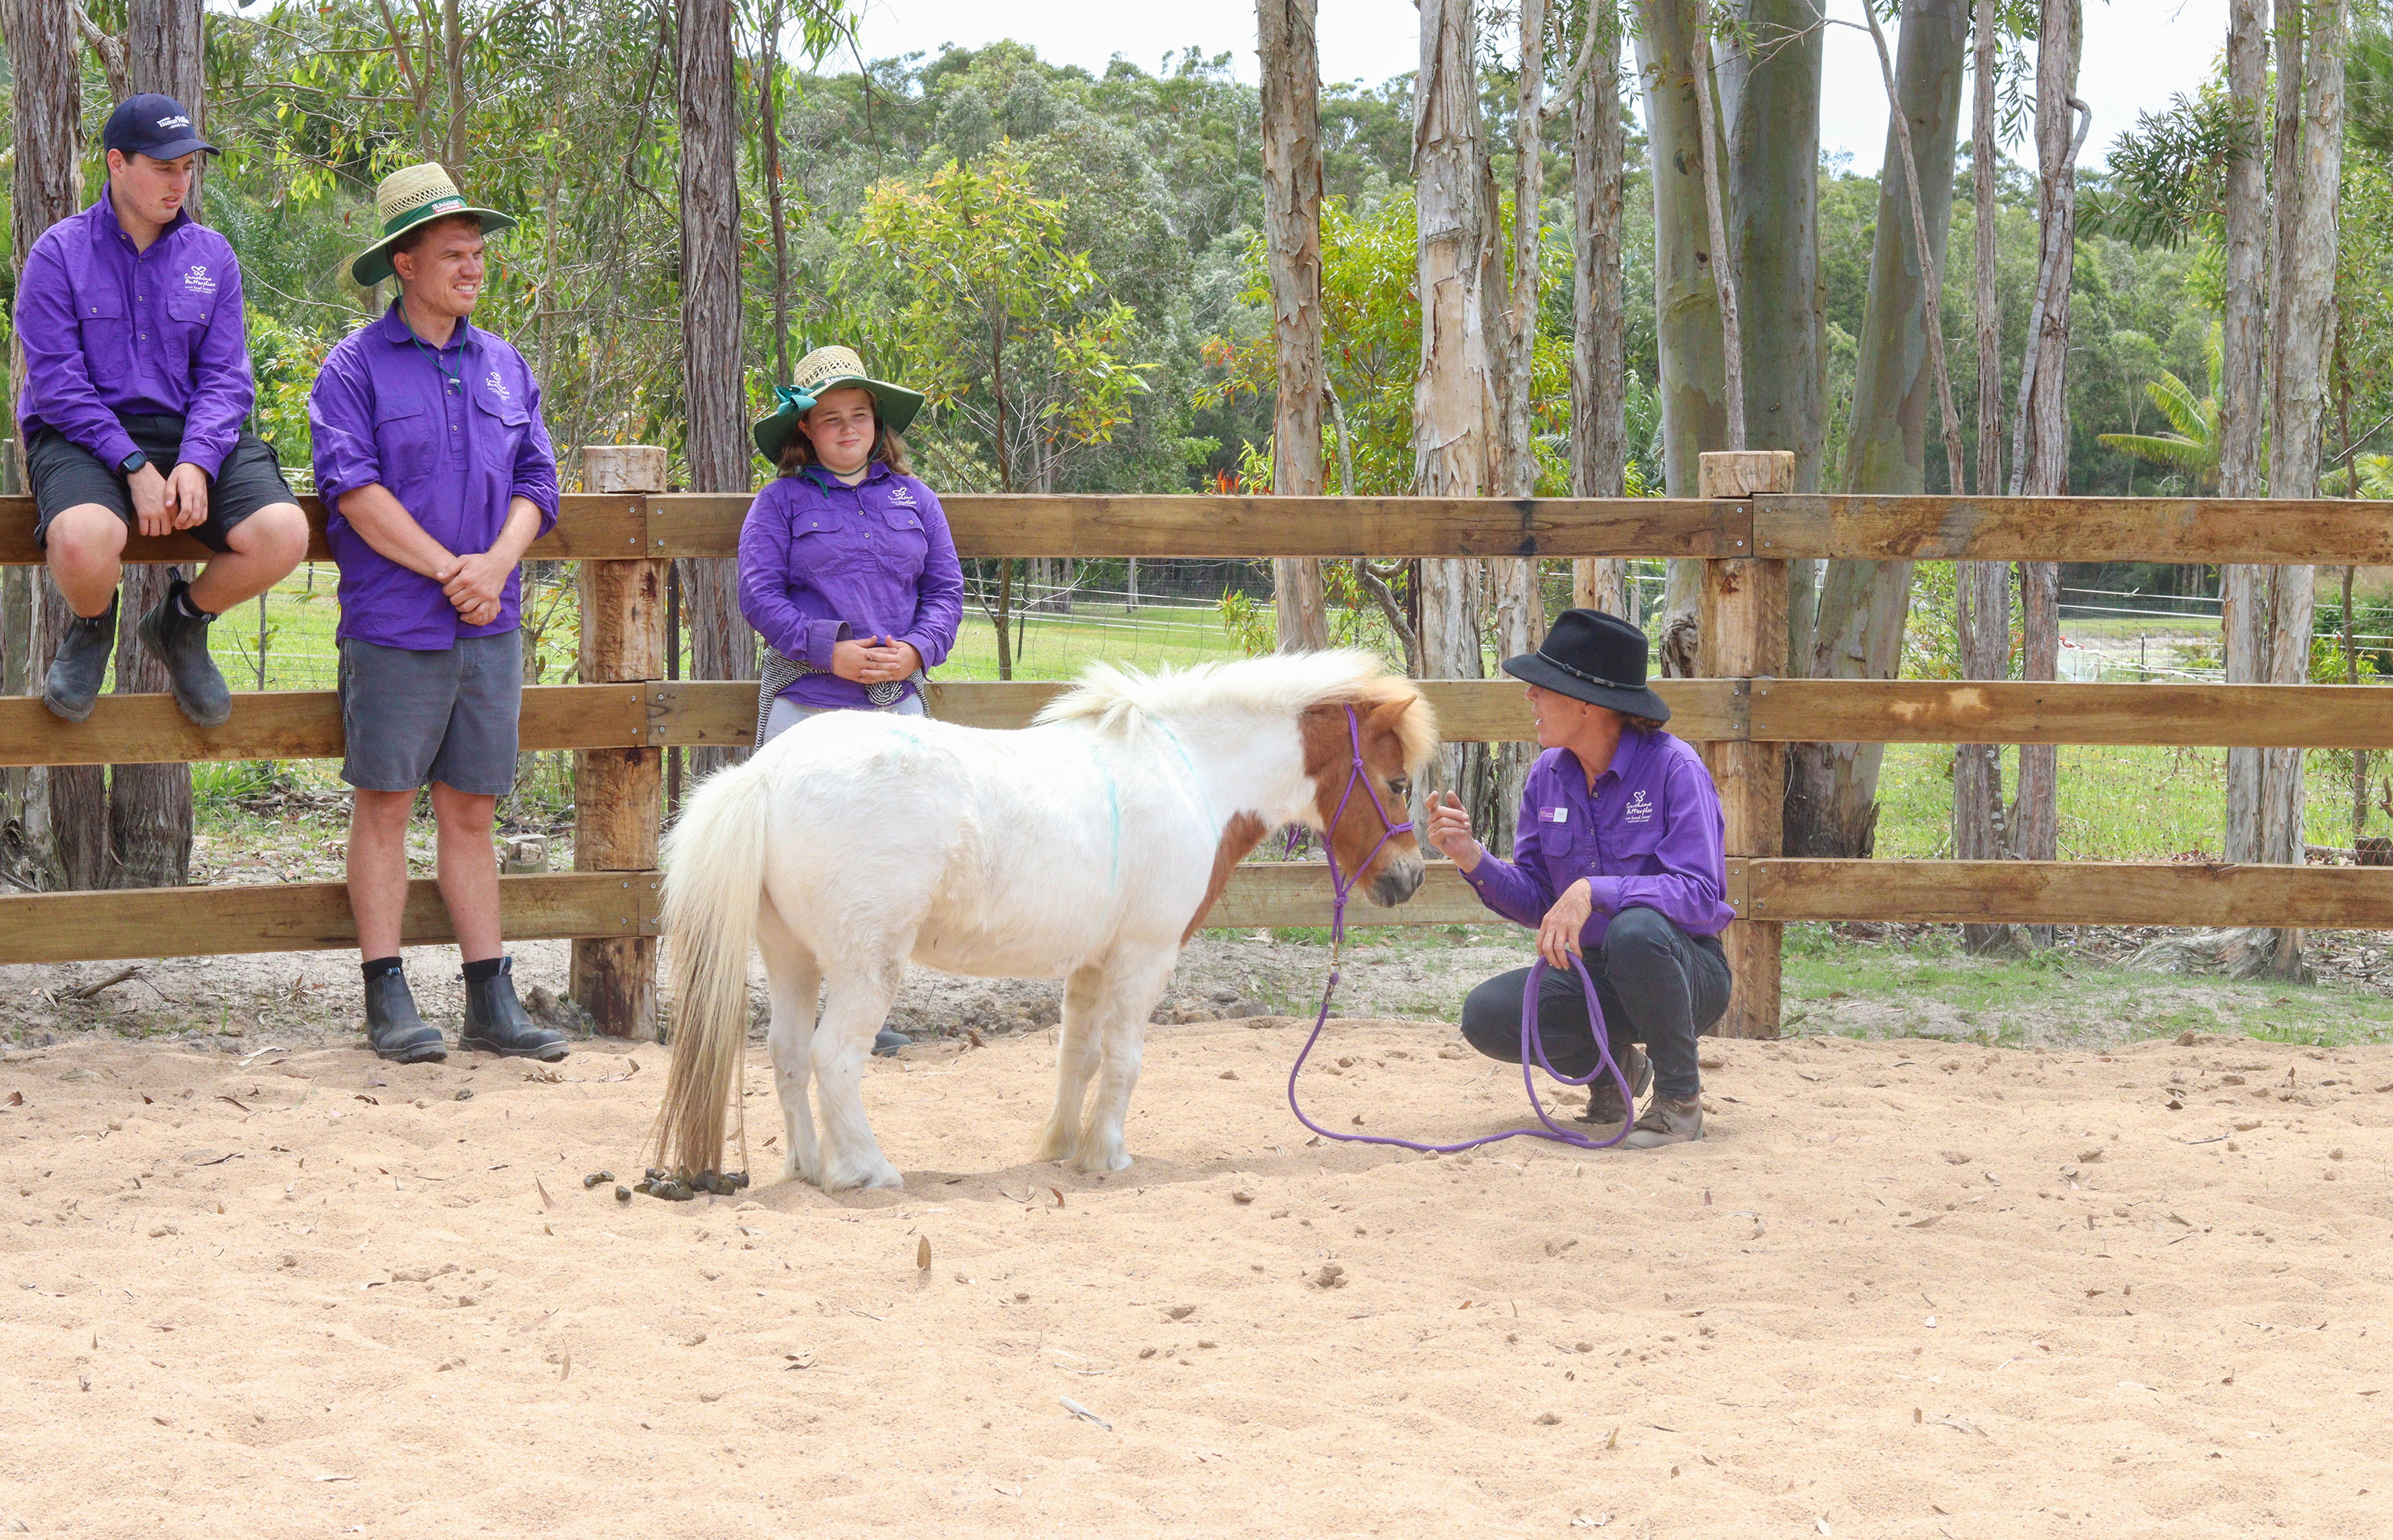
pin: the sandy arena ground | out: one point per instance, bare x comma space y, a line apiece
1907, 1288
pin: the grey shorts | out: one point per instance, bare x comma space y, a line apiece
447, 716
785, 713
66, 474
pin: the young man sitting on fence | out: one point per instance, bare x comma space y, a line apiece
1616, 859
137, 387
431, 452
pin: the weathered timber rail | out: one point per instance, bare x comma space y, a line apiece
1743, 712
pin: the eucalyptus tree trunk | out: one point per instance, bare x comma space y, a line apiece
1832, 788
1454, 405
1599, 334
1686, 303
150, 805
1291, 142
721, 644
1982, 588
2042, 470
2312, 180
768, 140
64, 811
2241, 411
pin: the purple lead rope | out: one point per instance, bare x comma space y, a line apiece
1532, 1040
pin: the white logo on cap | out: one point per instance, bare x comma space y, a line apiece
174, 123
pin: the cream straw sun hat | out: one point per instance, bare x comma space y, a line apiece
820, 373
406, 199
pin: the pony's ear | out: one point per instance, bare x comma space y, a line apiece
1388, 716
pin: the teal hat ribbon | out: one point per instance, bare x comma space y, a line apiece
794, 400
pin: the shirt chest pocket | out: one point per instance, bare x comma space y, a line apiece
189, 309
825, 545
904, 547
499, 436
403, 442
107, 333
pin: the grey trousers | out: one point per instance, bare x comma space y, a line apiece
1657, 984
786, 714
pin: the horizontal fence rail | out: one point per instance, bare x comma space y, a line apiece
599, 527
132, 729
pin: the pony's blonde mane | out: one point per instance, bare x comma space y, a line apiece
1116, 697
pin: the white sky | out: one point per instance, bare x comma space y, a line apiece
2138, 53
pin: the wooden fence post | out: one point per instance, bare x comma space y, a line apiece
1743, 637
619, 793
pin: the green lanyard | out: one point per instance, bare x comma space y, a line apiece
457, 380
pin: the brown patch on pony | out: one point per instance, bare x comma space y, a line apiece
1398, 732
1238, 841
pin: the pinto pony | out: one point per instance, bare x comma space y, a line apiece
1086, 847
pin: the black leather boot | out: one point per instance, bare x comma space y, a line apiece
1604, 1103
393, 1029
181, 644
79, 665
496, 1021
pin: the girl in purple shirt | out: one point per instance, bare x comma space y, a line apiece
846, 568
1618, 860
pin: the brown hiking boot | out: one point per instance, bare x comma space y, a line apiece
1604, 1103
1667, 1122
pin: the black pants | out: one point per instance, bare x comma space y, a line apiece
1657, 984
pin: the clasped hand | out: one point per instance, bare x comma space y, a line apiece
876, 661
475, 586
162, 504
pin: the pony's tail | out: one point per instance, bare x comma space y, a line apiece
715, 880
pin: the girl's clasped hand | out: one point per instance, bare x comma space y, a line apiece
875, 660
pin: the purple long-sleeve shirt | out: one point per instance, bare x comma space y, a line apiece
1647, 835
822, 562
455, 438
109, 330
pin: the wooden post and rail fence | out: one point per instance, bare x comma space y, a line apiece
623, 712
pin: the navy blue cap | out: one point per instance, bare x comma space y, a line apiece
153, 125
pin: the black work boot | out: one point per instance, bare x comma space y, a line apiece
496, 1021
393, 1029
1604, 1103
79, 665
181, 644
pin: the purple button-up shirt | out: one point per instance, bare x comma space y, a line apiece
1647, 835
110, 330
454, 440
822, 562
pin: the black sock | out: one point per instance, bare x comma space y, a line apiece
484, 971
381, 966
186, 609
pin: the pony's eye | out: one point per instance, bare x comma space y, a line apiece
1401, 787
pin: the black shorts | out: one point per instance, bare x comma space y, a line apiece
66, 474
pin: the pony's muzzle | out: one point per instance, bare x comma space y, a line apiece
1398, 880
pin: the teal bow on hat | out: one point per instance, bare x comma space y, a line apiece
794, 400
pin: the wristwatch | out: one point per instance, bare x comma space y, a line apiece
131, 463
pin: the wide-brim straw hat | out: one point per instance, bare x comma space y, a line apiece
406, 199
817, 375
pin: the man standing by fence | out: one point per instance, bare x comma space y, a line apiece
136, 392
431, 452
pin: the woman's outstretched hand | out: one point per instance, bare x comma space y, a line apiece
1558, 936
1449, 830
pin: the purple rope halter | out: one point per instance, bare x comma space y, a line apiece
1532, 1043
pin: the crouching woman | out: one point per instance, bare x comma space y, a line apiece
1617, 858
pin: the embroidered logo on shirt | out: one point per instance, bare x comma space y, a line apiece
1638, 810
901, 496
499, 387
199, 279
1553, 815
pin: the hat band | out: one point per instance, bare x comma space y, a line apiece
448, 203
1594, 679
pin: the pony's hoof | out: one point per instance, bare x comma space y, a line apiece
1103, 1162
1055, 1144
881, 1175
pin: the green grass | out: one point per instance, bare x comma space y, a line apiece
1929, 987
2115, 805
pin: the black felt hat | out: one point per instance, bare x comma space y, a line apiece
1596, 658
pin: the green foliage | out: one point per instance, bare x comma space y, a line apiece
2194, 448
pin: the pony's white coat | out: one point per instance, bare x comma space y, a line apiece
1079, 848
